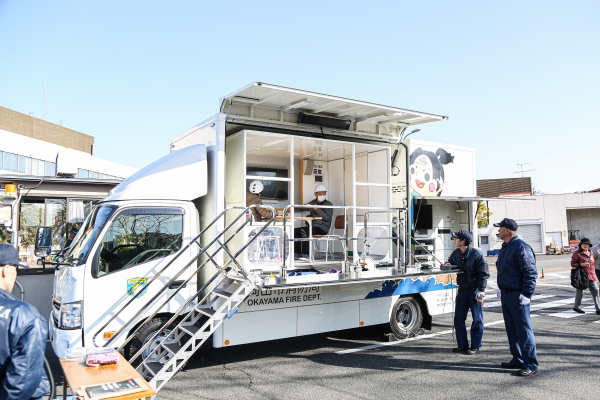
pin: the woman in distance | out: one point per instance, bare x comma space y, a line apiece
585, 258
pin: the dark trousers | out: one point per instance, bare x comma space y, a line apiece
518, 329
466, 301
302, 233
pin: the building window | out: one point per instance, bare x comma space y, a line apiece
14, 162
50, 169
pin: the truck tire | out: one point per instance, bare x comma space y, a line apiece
406, 318
143, 335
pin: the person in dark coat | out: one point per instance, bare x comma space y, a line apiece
23, 335
471, 290
517, 274
319, 226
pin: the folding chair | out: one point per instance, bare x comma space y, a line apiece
338, 224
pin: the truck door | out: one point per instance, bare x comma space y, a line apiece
137, 244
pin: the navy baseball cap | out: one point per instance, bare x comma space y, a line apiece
9, 256
508, 224
462, 235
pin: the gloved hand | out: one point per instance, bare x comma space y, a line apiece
524, 300
479, 297
498, 293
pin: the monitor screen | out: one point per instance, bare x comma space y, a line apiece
274, 190
423, 217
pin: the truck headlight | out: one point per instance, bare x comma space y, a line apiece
70, 315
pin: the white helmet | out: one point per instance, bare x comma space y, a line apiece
320, 188
256, 187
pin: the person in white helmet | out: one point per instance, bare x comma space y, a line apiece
253, 197
319, 226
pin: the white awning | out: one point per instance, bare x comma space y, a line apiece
286, 99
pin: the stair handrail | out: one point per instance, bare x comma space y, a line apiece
181, 251
194, 296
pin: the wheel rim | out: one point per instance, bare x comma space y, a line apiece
406, 315
155, 343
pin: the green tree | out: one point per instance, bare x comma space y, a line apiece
4, 235
483, 215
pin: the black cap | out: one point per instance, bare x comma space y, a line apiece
462, 235
9, 256
508, 224
585, 241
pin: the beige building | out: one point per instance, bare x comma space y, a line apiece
57, 176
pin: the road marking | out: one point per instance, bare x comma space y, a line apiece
555, 275
553, 285
572, 314
556, 303
534, 297
412, 339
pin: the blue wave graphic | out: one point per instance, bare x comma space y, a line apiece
408, 286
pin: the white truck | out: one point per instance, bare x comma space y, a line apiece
172, 257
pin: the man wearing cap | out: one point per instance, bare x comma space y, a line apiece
253, 197
319, 226
471, 289
24, 332
517, 273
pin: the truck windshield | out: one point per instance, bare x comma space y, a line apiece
88, 233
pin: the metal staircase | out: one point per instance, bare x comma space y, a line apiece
169, 348
168, 355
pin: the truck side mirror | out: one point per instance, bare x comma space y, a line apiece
43, 241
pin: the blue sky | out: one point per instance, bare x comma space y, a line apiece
519, 80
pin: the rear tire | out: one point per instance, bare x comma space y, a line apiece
406, 318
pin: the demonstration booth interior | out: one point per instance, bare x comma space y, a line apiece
356, 176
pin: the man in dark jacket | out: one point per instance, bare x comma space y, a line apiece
319, 226
471, 290
23, 335
517, 274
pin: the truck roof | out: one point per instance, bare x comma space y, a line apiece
288, 99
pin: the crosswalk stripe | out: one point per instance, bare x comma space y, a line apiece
555, 275
571, 313
555, 303
534, 297
553, 285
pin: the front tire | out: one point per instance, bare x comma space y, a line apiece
143, 335
406, 318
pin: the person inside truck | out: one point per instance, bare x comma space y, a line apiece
253, 198
319, 226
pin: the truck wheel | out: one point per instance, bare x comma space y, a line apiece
143, 335
406, 318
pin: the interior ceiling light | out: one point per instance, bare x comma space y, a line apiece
297, 104
242, 99
275, 142
252, 149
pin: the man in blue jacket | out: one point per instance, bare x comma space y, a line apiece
517, 273
23, 335
471, 290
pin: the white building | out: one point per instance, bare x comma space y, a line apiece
545, 219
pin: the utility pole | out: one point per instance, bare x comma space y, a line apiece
521, 171
44, 97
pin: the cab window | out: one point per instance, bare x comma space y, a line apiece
138, 236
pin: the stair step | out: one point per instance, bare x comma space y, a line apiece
172, 347
153, 367
222, 293
239, 278
191, 329
209, 312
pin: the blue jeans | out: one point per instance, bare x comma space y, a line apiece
466, 301
518, 329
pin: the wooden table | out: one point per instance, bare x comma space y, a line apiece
77, 375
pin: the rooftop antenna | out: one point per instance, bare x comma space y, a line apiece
521, 171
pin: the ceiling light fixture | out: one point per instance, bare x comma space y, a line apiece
297, 104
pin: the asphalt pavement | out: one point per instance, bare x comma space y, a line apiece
362, 364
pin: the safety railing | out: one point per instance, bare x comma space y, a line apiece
201, 252
347, 239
